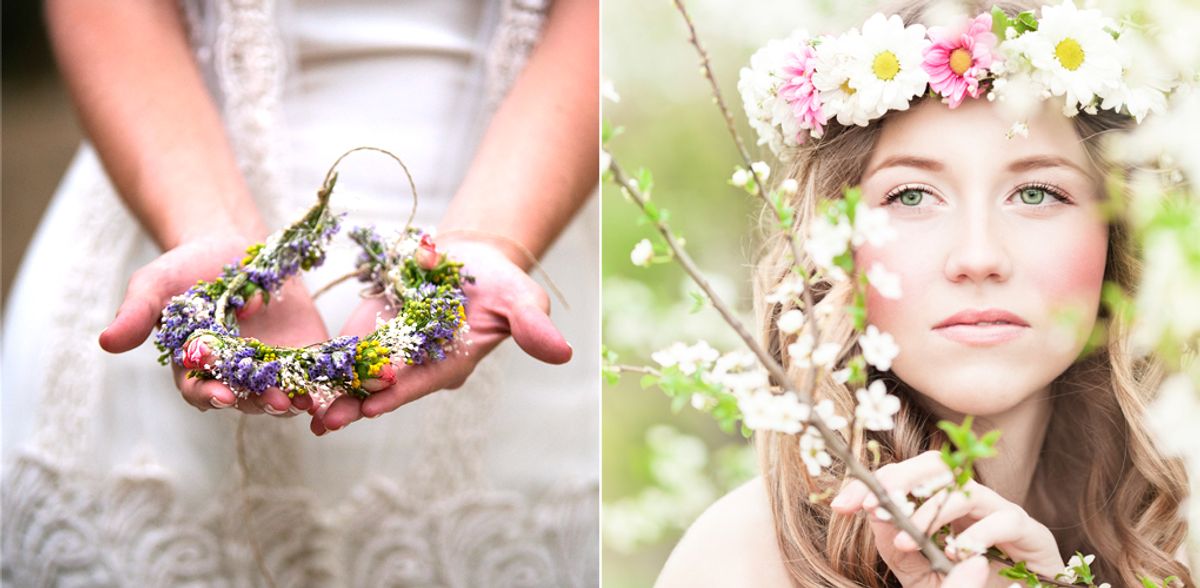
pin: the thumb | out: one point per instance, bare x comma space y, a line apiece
135, 318
970, 573
535, 333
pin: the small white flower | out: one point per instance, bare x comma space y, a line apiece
872, 225
761, 169
824, 409
827, 241
791, 321
964, 548
789, 289
876, 407
687, 358
841, 376
1068, 574
825, 354
885, 282
740, 177
805, 356
702, 402
789, 187
878, 348
1018, 129
812, 452
764, 411
642, 253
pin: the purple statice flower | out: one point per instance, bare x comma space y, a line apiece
189, 312
241, 371
334, 361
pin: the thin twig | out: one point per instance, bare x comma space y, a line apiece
637, 369
833, 442
330, 285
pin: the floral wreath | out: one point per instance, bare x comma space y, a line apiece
199, 331
794, 87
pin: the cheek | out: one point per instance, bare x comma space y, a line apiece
917, 273
1068, 265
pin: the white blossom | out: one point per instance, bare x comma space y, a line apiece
687, 358
789, 289
764, 411
1068, 574
609, 92
878, 348
933, 485
805, 356
876, 407
740, 177
828, 240
964, 548
825, 411
900, 499
789, 187
791, 321
812, 452
642, 253
872, 225
761, 170
885, 282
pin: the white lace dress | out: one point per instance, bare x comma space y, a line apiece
110, 479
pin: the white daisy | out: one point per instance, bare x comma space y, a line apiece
1073, 55
886, 69
1145, 79
831, 77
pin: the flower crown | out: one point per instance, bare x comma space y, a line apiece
199, 331
794, 87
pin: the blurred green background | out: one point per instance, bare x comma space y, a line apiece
661, 470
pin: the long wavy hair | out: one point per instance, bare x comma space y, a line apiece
1114, 496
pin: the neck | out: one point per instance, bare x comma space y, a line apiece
1023, 429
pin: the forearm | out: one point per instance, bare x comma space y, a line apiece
537, 162
144, 106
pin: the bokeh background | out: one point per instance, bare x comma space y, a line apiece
40, 131
662, 469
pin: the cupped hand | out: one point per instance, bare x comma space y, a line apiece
502, 301
980, 518
290, 319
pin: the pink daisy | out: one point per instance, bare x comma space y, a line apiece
799, 93
957, 60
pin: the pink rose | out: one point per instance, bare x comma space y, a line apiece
385, 378
427, 256
198, 352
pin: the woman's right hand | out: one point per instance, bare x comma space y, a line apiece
290, 319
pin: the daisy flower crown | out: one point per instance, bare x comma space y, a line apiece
795, 87
199, 331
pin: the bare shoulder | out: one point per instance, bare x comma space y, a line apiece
731, 544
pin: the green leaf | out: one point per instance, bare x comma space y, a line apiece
607, 131
698, 301
611, 375
1000, 22
648, 380
1026, 21
645, 181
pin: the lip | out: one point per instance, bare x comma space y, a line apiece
961, 327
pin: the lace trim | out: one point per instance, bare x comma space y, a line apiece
64, 527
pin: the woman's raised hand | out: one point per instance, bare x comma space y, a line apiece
290, 319
980, 518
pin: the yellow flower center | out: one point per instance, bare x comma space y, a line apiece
847, 89
885, 66
960, 61
1069, 53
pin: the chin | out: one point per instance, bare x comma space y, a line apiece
980, 390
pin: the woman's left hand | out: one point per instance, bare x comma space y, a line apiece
980, 518
503, 301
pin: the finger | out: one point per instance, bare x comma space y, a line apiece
535, 333
943, 506
362, 318
315, 425
972, 573
252, 305
413, 382
137, 315
902, 477
203, 394
302, 402
345, 410
850, 498
273, 402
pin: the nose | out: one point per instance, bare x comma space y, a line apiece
979, 252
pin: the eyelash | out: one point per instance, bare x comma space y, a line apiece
1054, 191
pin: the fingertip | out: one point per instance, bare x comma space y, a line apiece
536, 334
342, 412
302, 401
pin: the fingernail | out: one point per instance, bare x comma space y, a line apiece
871, 502
271, 410
292, 409
217, 403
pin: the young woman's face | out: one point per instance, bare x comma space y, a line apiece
1009, 228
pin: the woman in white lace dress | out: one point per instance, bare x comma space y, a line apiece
111, 479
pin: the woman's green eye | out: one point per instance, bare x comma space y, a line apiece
911, 197
1033, 195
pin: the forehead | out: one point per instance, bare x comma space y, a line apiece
976, 135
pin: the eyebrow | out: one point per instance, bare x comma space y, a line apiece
1020, 165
